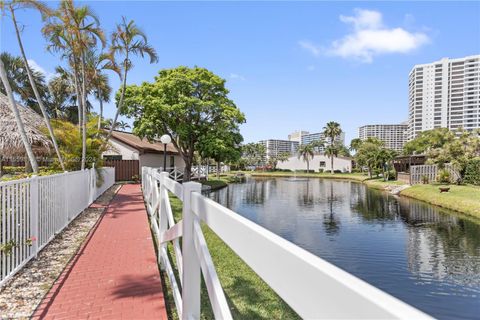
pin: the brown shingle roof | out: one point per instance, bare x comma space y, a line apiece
142, 145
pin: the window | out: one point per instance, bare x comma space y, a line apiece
172, 161
322, 164
112, 157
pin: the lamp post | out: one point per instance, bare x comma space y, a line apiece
165, 139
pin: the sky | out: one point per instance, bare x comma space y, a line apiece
288, 65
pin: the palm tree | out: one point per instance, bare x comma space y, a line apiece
96, 64
18, 119
355, 144
332, 151
128, 40
332, 130
20, 83
306, 152
15, 5
74, 31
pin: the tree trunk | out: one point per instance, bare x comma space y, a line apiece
35, 90
18, 119
308, 166
120, 103
101, 114
331, 164
84, 114
1, 165
218, 169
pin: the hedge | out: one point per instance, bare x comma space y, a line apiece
472, 172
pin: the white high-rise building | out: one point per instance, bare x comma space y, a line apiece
393, 135
444, 94
319, 136
274, 147
297, 136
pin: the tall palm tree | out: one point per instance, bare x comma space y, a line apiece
332, 151
96, 64
74, 31
128, 40
332, 131
306, 152
44, 10
18, 119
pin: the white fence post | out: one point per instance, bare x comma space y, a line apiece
34, 213
162, 214
191, 264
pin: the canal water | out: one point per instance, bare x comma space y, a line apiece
424, 255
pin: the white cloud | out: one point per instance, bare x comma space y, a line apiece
370, 37
237, 76
310, 47
36, 67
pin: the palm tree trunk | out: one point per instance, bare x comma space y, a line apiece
120, 103
77, 93
218, 169
35, 90
84, 114
308, 166
331, 164
100, 117
18, 119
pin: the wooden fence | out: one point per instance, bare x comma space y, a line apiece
125, 170
430, 173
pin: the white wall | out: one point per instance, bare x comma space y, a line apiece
294, 163
155, 160
120, 148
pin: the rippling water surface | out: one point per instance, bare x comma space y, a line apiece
423, 255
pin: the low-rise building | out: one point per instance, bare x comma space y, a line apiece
393, 135
319, 163
127, 146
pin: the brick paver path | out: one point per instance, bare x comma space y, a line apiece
115, 274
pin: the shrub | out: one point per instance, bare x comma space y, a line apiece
337, 171
472, 172
306, 171
425, 179
444, 176
320, 170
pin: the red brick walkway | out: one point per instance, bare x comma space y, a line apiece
115, 274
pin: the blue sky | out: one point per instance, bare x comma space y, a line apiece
289, 65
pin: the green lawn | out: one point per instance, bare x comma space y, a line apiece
465, 199
215, 184
249, 297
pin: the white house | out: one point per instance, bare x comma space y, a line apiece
127, 146
318, 162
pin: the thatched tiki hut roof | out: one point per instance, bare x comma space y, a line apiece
10, 140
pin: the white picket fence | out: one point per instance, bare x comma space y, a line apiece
197, 172
34, 210
313, 287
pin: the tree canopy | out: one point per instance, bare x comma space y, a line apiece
189, 104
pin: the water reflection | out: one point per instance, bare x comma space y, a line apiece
424, 255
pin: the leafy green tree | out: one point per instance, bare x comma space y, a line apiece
306, 152
426, 140
223, 145
368, 154
275, 159
332, 131
253, 154
186, 103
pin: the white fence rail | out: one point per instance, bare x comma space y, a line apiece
429, 172
34, 210
313, 287
197, 172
